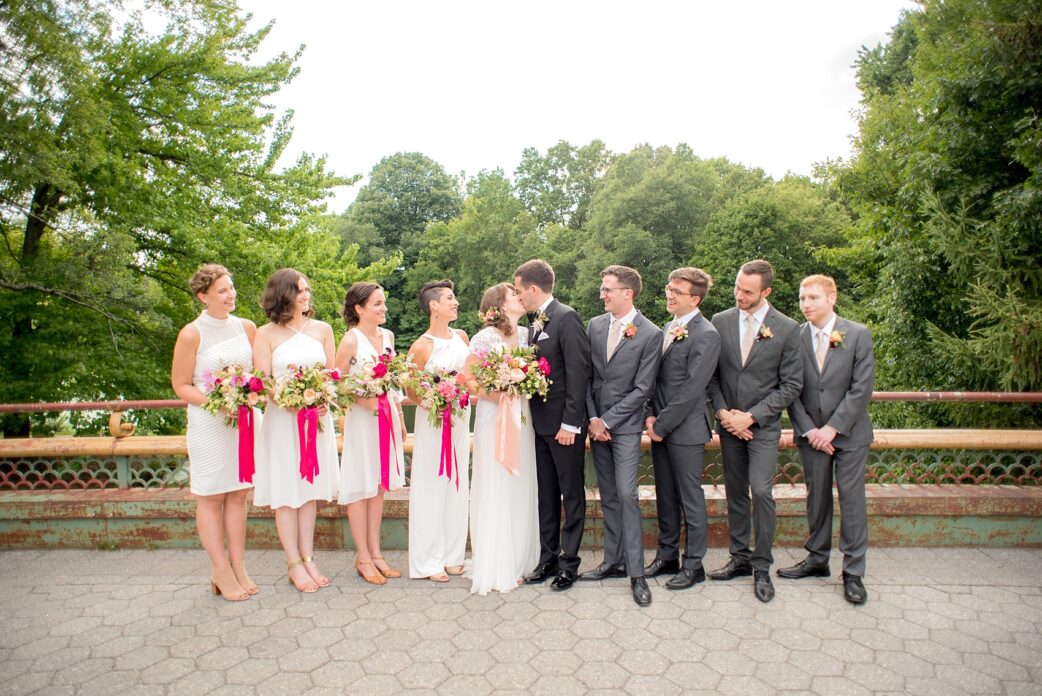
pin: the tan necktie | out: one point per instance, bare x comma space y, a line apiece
749, 338
613, 336
823, 349
667, 338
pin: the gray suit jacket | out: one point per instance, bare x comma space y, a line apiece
621, 386
772, 377
839, 394
687, 366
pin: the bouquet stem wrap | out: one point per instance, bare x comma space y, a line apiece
386, 425
448, 455
246, 467
307, 430
508, 434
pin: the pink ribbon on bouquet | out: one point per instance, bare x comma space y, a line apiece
246, 467
508, 434
307, 430
386, 426
448, 454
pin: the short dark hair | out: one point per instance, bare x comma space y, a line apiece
536, 272
629, 278
761, 268
432, 291
495, 296
699, 279
207, 275
280, 295
357, 294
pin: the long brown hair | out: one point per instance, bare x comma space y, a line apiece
493, 298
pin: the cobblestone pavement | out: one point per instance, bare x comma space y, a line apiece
943, 622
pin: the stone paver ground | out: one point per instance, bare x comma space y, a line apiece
938, 621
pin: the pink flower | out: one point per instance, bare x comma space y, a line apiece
380, 369
447, 389
252, 398
256, 384
334, 374
464, 400
544, 366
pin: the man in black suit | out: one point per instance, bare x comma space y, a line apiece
679, 428
559, 422
834, 432
759, 374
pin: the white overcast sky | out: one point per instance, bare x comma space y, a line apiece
470, 84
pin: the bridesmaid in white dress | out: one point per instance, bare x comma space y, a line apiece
365, 308
213, 341
438, 505
504, 522
293, 338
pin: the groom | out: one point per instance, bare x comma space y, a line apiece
560, 436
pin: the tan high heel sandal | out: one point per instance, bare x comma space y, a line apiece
244, 579
322, 580
307, 587
377, 579
390, 572
228, 594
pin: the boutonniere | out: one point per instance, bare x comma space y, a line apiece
629, 331
764, 334
679, 333
837, 339
539, 323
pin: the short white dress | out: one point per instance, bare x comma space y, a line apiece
213, 447
278, 480
360, 461
438, 508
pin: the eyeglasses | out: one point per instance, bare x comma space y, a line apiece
608, 291
673, 292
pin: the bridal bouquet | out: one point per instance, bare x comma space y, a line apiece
306, 389
232, 388
440, 393
517, 371
238, 391
389, 372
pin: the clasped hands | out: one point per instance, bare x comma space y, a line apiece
599, 431
738, 423
821, 438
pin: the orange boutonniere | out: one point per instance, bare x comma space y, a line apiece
764, 334
679, 333
837, 339
629, 331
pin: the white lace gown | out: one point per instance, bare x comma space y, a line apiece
437, 509
213, 447
360, 460
504, 522
278, 480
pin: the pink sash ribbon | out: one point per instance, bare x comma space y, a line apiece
246, 467
307, 430
386, 426
508, 434
448, 454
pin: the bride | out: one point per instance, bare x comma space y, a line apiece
504, 526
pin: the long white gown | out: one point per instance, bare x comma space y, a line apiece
213, 447
504, 521
278, 480
437, 507
360, 460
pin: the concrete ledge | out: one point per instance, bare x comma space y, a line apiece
899, 515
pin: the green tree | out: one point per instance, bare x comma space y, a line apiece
130, 155
945, 184
557, 187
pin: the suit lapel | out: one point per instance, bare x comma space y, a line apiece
807, 337
599, 338
838, 326
532, 334
759, 337
623, 341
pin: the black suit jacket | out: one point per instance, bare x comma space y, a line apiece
565, 346
679, 403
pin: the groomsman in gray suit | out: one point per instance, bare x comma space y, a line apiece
759, 374
834, 431
624, 351
679, 427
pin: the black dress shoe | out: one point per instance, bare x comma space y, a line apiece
660, 567
762, 587
853, 590
805, 569
603, 571
641, 591
540, 574
733, 569
564, 580
687, 577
